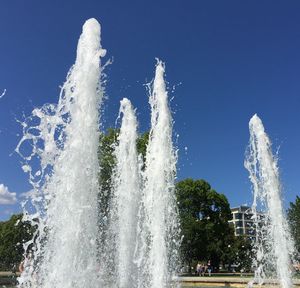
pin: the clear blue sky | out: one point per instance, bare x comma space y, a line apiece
227, 59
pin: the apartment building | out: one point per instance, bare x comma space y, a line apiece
242, 221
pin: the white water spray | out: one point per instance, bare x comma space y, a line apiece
3, 93
126, 197
157, 249
273, 245
63, 169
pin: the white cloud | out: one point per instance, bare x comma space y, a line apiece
7, 197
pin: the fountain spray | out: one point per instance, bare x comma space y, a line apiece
273, 244
63, 168
126, 197
157, 250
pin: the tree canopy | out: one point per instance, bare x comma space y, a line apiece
204, 216
294, 221
13, 233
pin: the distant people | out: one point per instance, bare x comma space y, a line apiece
209, 268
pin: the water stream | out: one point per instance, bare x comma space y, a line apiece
63, 168
158, 246
126, 189
273, 244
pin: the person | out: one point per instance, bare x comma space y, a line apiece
198, 269
209, 268
203, 270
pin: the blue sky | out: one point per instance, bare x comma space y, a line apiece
226, 59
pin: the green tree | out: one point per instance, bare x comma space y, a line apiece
204, 216
293, 214
238, 252
141, 145
107, 163
13, 233
244, 253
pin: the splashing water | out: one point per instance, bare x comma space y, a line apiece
63, 169
3, 93
126, 197
273, 244
157, 248
141, 238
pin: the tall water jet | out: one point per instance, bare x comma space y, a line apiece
63, 169
273, 244
126, 197
157, 248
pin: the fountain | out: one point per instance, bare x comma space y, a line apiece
124, 205
273, 245
142, 237
158, 243
141, 242
63, 169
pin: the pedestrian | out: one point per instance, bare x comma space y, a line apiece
209, 268
198, 269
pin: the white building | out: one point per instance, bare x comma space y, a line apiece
242, 221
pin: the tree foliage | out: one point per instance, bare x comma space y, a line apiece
294, 221
107, 163
204, 216
243, 253
13, 233
141, 145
